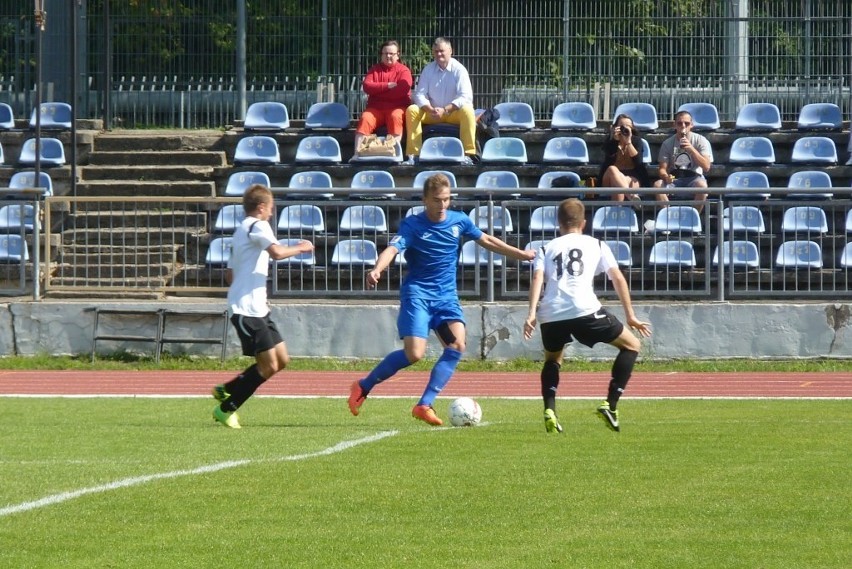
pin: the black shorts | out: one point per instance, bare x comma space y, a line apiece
601, 326
257, 334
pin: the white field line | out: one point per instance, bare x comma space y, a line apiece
139, 480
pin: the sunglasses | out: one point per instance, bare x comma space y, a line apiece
683, 123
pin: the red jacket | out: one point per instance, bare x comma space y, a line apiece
376, 86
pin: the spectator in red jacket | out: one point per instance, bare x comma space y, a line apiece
388, 88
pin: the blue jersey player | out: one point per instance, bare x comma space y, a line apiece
431, 241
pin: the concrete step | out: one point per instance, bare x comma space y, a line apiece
146, 287
141, 236
89, 255
146, 173
158, 158
158, 140
124, 188
138, 218
135, 273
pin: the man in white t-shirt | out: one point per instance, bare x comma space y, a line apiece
254, 243
565, 268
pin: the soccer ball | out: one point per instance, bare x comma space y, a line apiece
465, 412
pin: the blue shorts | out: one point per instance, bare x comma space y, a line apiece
417, 316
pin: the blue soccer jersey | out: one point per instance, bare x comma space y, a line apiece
432, 253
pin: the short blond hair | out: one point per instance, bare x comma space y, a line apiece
571, 213
255, 195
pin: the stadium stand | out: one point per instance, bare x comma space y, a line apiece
752, 150
354, 253
331, 116
814, 150
799, 254
504, 150
820, 116
267, 116
812, 181
239, 182
26, 179
257, 150
566, 150
615, 220
363, 219
749, 181
53, 116
758, 117
804, 219
318, 149
15, 217
515, 116
644, 115
672, 254
13, 249
442, 149
301, 218
738, 254
743, 219
573, 116
310, 185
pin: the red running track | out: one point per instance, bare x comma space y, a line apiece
411, 384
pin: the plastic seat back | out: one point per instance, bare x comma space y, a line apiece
310, 185
363, 218
442, 149
758, 117
678, 219
422, 175
472, 254
229, 218
515, 116
752, 150
811, 181
672, 254
505, 150
546, 179
54, 116
218, 252
318, 149
13, 249
26, 179
799, 254
644, 115
737, 254
566, 150
327, 116
373, 180
621, 252
302, 259
614, 219
257, 149
814, 150
13, 217
497, 180
52, 152
705, 116
267, 115
543, 220
535, 245
501, 216
573, 116
7, 117
239, 182
749, 182
846, 257
804, 219
743, 219
354, 252
301, 218
820, 116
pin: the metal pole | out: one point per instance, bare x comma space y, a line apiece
241, 59
107, 81
75, 98
40, 22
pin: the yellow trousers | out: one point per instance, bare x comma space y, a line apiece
415, 119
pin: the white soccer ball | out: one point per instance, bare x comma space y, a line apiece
465, 412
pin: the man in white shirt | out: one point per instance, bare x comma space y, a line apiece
248, 267
565, 268
443, 95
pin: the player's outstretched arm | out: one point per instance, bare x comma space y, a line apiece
278, 251
619, 283
535, 295
386, 257
497, 245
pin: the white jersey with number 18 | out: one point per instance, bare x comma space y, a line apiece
570, 263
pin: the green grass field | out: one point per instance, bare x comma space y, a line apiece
687, 483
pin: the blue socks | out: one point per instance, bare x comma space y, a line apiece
441, 374
392, 363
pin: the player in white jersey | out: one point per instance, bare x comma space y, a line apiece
565, 268
253, 244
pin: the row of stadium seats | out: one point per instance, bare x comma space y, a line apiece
52, 116
564, 150
273, 116
51, 150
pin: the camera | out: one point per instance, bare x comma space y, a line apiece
625, 130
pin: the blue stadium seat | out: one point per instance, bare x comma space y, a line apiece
615, 219
302, 259
318, 149
301, 218
239, 182
54, 116
26, 179
13, 249
502, 218
373, 180
535, 245
52, 152
743, 219
546, 179
814, 150
752, 150
7, 117
267, 115
750, 182
644, 115
804, 219
621, 252
672, 254
13, 217
261, 150
820, 116
812, 181
354, 252
472, 254
678, 219
758, 117
846, 257
705, 116
310, 185
738, 254
442, 149
504, 150
229, 218
2, 155
543, 220
573, 116
363, 218
422, 175
327, 116
799, 254
849, 221
496, 182
414, 210
515, 116
219, 252
566, 150
646, 152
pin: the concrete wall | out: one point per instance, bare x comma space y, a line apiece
681, 330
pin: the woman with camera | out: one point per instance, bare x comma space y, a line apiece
622, 166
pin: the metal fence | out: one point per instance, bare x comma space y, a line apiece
175, 63
769, 248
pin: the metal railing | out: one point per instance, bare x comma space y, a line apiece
168, 246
